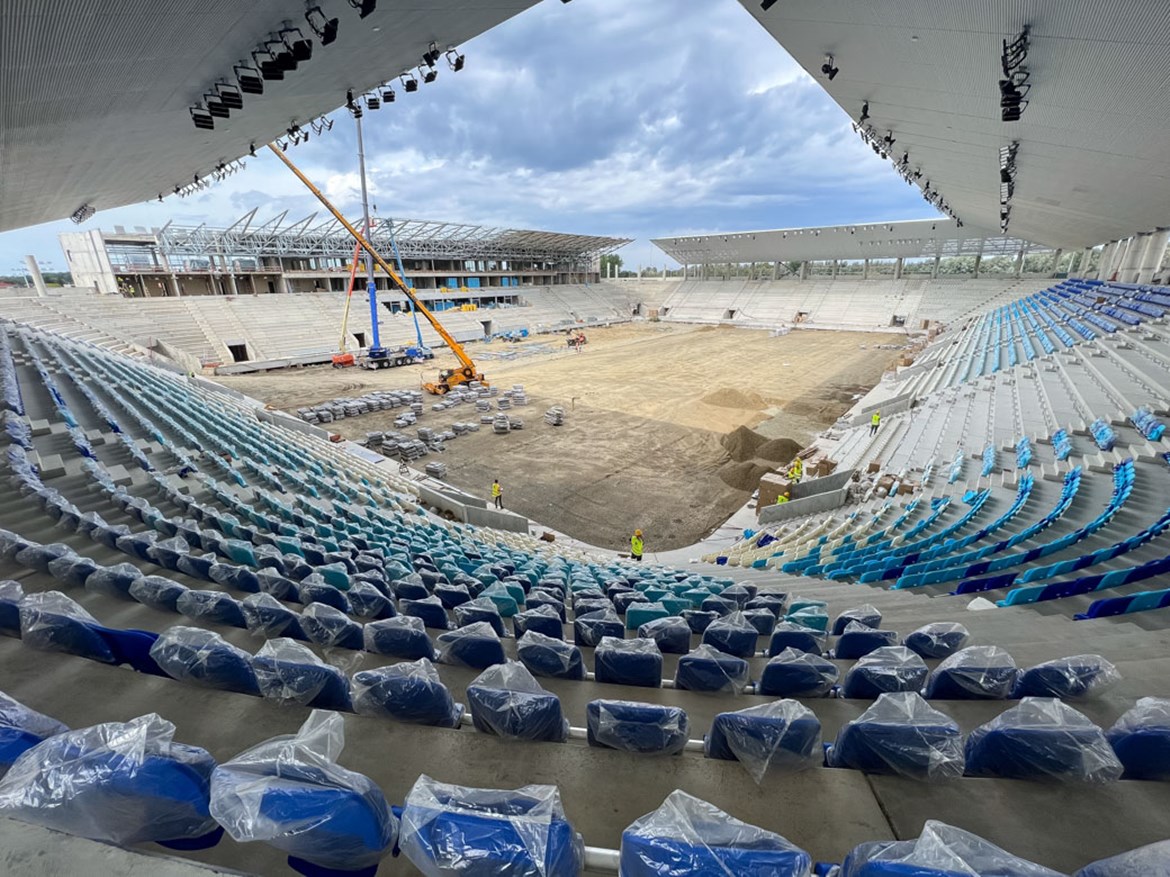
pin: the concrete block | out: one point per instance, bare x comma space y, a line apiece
120, 476
58, 428
99, 436
51, 466
39, 427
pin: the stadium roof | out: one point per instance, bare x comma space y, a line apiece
94, 96
1093, 163
416, 239
918, 238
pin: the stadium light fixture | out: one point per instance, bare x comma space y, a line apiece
269, 69
409, 83
229, 95
82, 213
301, 48
201, 118
455, 62
765, 6
429, 75
388, 95
432, 55
864, 112
282, 54
364, 7
216, 107
324, 28
249, 78
373, 101
353, 106
829, 69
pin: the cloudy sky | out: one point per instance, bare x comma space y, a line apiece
635, 118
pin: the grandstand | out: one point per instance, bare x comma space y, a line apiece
233, 645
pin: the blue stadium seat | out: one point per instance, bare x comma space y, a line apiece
21, 729
590, 628
672, 634
868, 615
331, 628
782, 734
1152, 860
11, 593
268, 617
202, 657
481, 609
788, 635
546, 656
637, 727
52, 622
794, 673
857, 641
973, 673
710, 670
287, 671
698, 620
940, 851
214, 607
939, 639
733, 635
429, 609
476, 646
543, 619
1072, 678
1141, 740
506, 700
410, 691
401, 637
885, 670
628, 662
900, 734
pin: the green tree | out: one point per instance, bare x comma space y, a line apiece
611, 259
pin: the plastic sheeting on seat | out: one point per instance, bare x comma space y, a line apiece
289, 672
973, 673
71, 570
940, 851
455, 831
268, 617
590, 628
22, 728
192, 654
11, 593
1042, 738
476, 646
698, 620
403, 636
1141, 740
788, 635
481, 609
410, 691
368, 602
543, 619
939, 639
734, 635
1152, 860
429, 609
290, 793
121, 782
506, 700
710, 670
52, 622
214, 607
782, 735
891, 668
868, 615
900, 734
858, 640
628, 662
672, 634
551, 657
688, 836
113, 581
157, 592
794, 673
650, 729
1080, 676
330, 627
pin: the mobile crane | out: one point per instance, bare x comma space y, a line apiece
448, 378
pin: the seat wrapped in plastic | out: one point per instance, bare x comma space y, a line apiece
455, 831
939, 639
761, 619
890, 668
900, 734
940, 851
328, 627
22, 728
72, 570
628, 662
672, 634
789, 635
367, 601
543, 619
1075, 678
481, 609
268, 617
710, 670
429, 609
158, 592
291, 793
973, 673
857, 641
868, 615
809, 616
403, 636
1042, 738
783, 734
794, 673
547, 656
52, 622
11, 593
312, 591
688, 836
289, 672
410, 691
698, 620
166, 552
452, 595
1152, 860
266, 580
214, 607
476, 646
120, 782
646, 728
733, 635
113, 581
39, 557
198, 566
589, 629
1141, 740
137, 545
506, 700
192, 654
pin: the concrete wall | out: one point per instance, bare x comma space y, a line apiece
85, 254
796, 508
471, 510
814, 486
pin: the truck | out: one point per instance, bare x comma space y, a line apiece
385, 357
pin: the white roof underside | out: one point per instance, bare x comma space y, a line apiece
1094, 157
94, 93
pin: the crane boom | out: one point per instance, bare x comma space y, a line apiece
348, 298
448, 338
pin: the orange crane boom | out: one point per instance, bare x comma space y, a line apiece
344, 359
448, 378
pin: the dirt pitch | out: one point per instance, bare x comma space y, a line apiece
652, 412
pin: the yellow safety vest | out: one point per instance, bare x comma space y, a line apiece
781, 499
495, 490
636, 545
876, 419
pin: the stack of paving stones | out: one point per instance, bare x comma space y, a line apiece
515, 423
437, 470
517, 395
500, 424
383, 400
504, 403
555, 416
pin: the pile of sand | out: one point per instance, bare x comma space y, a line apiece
742, 444
778, 450
744, 475
728, 397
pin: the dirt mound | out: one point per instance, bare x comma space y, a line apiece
778, 450
743, 475
742, 443
728, 397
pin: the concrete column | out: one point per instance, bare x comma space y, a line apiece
1116, 259
804, 270
1056, 257
775, 270
1019, 263
1153, 256
978, 261
34, 271
1103, 263
1083, 262
865, 270
1133, 258
898, 269
836, 267
934, 267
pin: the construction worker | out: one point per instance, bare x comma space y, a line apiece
782, 498
796, 470
875, 422
497, 494
636, 545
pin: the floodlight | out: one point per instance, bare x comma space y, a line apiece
229, 96
251, 82
409, 83
364, 7
82, 213
429, 75
431, 56
765, 6
373, 102
388, 95
864, 112
455, 63
828, 69
302, 49
324, 28
216, 107
283, 55
201, 118
270, 69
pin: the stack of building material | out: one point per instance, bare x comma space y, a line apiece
517, 395
501, 425
555, 416
436, 470
426, 434
515, 423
